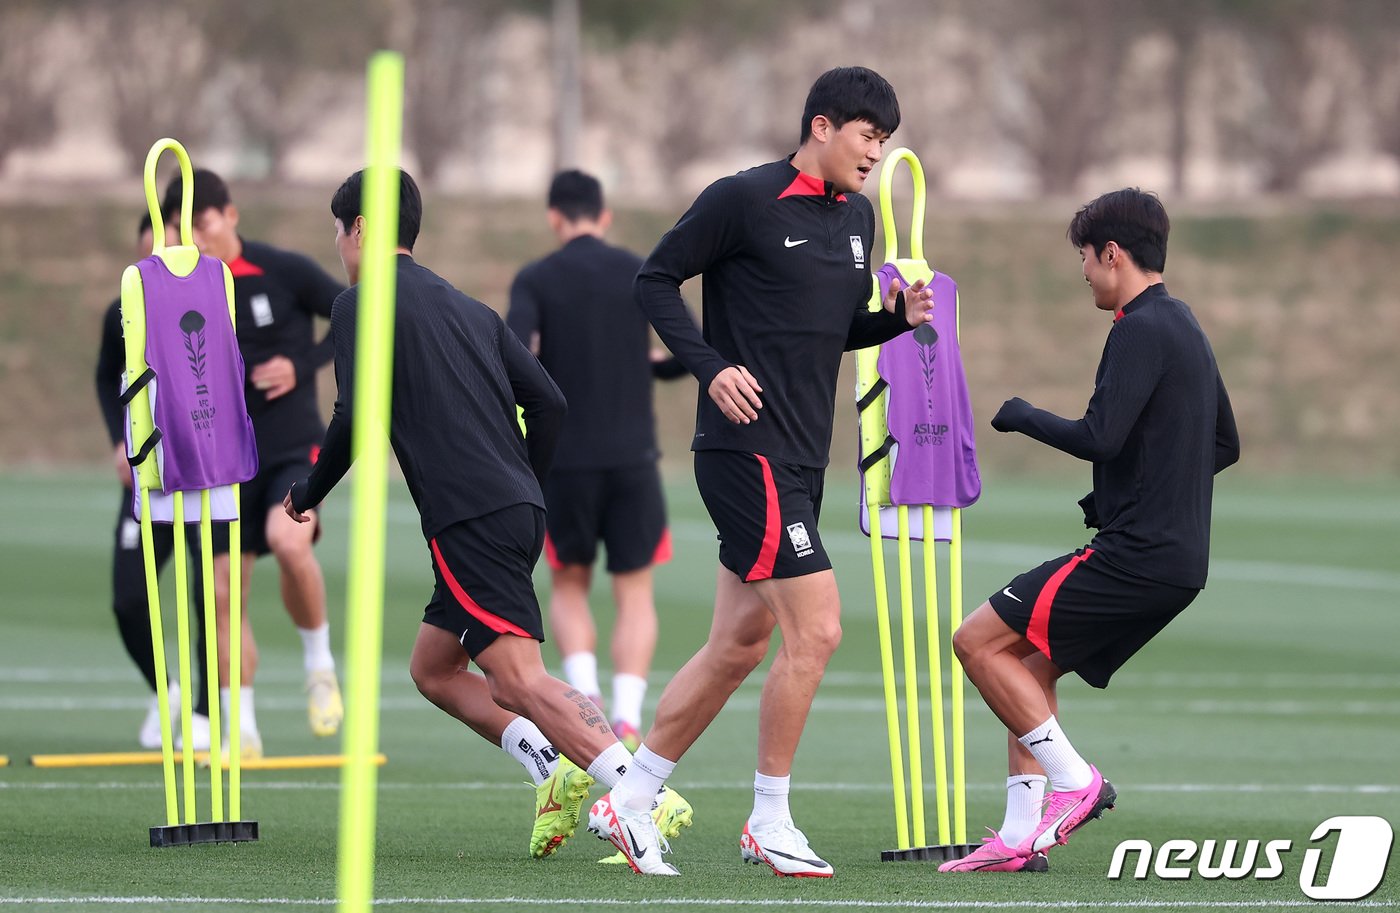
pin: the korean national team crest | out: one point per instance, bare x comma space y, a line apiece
801, 542
858, 251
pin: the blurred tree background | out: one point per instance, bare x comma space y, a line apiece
1270, 127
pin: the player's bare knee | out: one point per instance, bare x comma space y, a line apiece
966, 647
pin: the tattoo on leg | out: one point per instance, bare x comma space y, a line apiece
588, 711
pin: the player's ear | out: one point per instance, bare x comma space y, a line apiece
231, 215
359, 231
821, 128
605, 219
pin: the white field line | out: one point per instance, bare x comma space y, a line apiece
765, 903
1363, 789
836, 678
824, 703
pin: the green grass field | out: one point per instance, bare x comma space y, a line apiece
1272, 705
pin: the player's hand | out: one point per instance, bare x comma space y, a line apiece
123, 467
735, 391
292, 511
275, 377
1008, 417
918, 302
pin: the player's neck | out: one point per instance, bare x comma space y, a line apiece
806, 161
232, 251
585, 228
1133, 286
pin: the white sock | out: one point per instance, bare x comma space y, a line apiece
581, 671
248, 717
1052, 750
523, 741
316, 648
644, 778
628, 693
610, 766
770, 799
1025, 794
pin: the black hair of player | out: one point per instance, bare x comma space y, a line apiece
210, 192
576, 195
845, 94
1132, 217
347, 204
144, 226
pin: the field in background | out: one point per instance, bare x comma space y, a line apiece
1271, 705
1298, 301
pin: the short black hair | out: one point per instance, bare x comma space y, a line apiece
144, 226
210, 192
1132, 217
851, 93
347, 204
576, 195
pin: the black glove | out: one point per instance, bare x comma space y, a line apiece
1091, 511
1009, 416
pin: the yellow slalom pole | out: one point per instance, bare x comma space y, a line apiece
911, 677
935, 663
235, 663
882, 624
182, 634
955, 615
374, 359
167, 738
211, 655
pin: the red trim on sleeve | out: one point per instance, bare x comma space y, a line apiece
494, 622
243, 267
804, 185
772, 526
1038, 631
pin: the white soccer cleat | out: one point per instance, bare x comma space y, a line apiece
635, 835
784, 849
150, 727
199, 734
324, 709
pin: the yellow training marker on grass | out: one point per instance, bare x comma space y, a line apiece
201, 758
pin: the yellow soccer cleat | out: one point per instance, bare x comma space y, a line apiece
558, 804
323, 707
671, 812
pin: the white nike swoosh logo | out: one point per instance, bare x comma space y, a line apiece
1008, 594
788, 242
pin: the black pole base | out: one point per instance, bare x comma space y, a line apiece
939, 854
205, 832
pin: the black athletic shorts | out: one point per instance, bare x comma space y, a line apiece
765, 511
1086, 615
484, 583
623, 506
259, 495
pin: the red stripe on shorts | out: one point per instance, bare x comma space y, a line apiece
494, 622
1038, 631
772, 526
551, 555
663, 548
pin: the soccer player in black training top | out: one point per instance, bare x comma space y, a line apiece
575, 310
277, 295
785, 253
128, 565
1157, 429
458, 375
